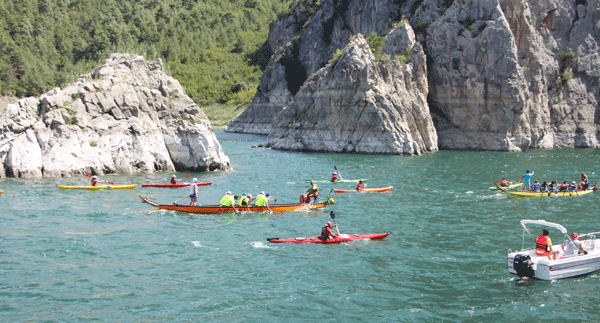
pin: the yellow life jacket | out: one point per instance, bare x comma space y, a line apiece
243, 201
227, 200
261, 200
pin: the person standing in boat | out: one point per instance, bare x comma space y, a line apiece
313, 191
193, 192
360, 186
526, 178
543, 246
326, 232
227, 200
584, 185
336, 177
573, 247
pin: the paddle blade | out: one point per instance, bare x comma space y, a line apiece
188, 175
88, 175
111, 183
332, 215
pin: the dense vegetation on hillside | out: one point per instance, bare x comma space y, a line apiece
215, 48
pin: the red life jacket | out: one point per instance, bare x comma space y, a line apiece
173, 180
359, 187
541, 244
94, 181
334, 178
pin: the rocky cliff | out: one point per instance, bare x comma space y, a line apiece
501, 74
126, 116
358, 104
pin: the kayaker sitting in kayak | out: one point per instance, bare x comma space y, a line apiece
360, 186
227, 200
313, 191
95, 180
326, 232
174, 179
336, 177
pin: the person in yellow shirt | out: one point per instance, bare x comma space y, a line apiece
227, 200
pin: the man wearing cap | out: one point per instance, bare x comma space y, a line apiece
244, 199
227, 200
326, 232
573, 247
335, 177
261, 199
193, 192
95, 180
174, 179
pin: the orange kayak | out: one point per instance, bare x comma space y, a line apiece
381, 189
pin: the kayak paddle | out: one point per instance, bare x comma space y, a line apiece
111, 183
188, 175
175, 202
332, 215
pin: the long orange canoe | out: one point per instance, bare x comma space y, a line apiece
381, 189
215, 209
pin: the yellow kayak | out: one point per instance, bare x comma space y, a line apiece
1, 192
97, 187
540, 194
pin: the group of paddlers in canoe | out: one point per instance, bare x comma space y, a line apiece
546, 186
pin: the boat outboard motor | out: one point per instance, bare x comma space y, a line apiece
523, 266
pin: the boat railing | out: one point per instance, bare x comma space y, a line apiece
590, 237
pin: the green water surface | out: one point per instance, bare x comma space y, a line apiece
100, 256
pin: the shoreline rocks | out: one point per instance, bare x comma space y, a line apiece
127, 116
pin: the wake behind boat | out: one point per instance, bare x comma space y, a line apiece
527, 263
216, 209
340, 239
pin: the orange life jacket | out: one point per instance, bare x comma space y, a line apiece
541, 244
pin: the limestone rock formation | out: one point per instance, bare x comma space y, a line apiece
359, 105
126, 116
502, 74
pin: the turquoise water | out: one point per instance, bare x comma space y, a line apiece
100, 256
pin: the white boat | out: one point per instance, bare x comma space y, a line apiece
527, 263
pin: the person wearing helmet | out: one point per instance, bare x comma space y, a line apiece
95, 180
336, 177
244, 199
193, 192
174, 179
573, 247
227, 200
326, 232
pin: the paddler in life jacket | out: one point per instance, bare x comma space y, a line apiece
543, 246
174, 179
504, 182
313, 191
227, 200
245, 199
360, 186
263, 199
326, 232
95, 180
336, 177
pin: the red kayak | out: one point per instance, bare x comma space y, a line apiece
175, 185
342, 238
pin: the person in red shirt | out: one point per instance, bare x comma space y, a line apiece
336, 177
95, 180
326, 232
360, 186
